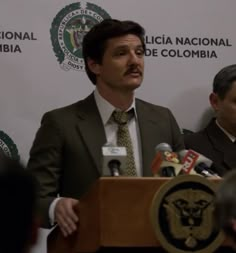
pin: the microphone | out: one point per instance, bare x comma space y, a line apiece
206, 171
189, 161
163, 147
201, 158
168, 171
156, 163
165, 161
114, 160
202, 164
200, 170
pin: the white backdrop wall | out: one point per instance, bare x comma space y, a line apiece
177, 74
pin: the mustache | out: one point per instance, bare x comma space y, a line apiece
133, 69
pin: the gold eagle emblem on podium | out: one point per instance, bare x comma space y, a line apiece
182, 215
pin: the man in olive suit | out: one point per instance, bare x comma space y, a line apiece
66, 155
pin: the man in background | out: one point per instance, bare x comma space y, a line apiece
66, 156
217, 140
19, 223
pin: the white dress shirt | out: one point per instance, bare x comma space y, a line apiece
106, 109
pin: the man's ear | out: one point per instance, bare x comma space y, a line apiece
214, 100
93, 66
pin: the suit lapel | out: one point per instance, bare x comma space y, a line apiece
91, 129
222, 144
148, 134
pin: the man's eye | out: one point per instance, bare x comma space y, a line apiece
121, 53
140, 52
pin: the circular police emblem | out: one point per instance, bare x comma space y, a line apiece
68, 29
182, 215
8, 146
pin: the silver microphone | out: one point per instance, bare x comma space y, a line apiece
114, 160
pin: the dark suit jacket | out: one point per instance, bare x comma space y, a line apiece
66, 154
214, 144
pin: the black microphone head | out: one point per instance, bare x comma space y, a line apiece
198, 168
202, 169
114, 166
168, 171
203, 165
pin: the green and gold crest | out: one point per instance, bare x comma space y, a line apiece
8, 146
68, 30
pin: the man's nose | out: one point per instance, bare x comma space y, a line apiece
133, 58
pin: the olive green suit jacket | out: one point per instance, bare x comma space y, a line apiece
66, 155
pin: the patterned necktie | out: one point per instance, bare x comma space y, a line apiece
124, 140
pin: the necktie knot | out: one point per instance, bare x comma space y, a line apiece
120, 117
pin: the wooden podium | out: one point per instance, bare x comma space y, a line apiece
115, 212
